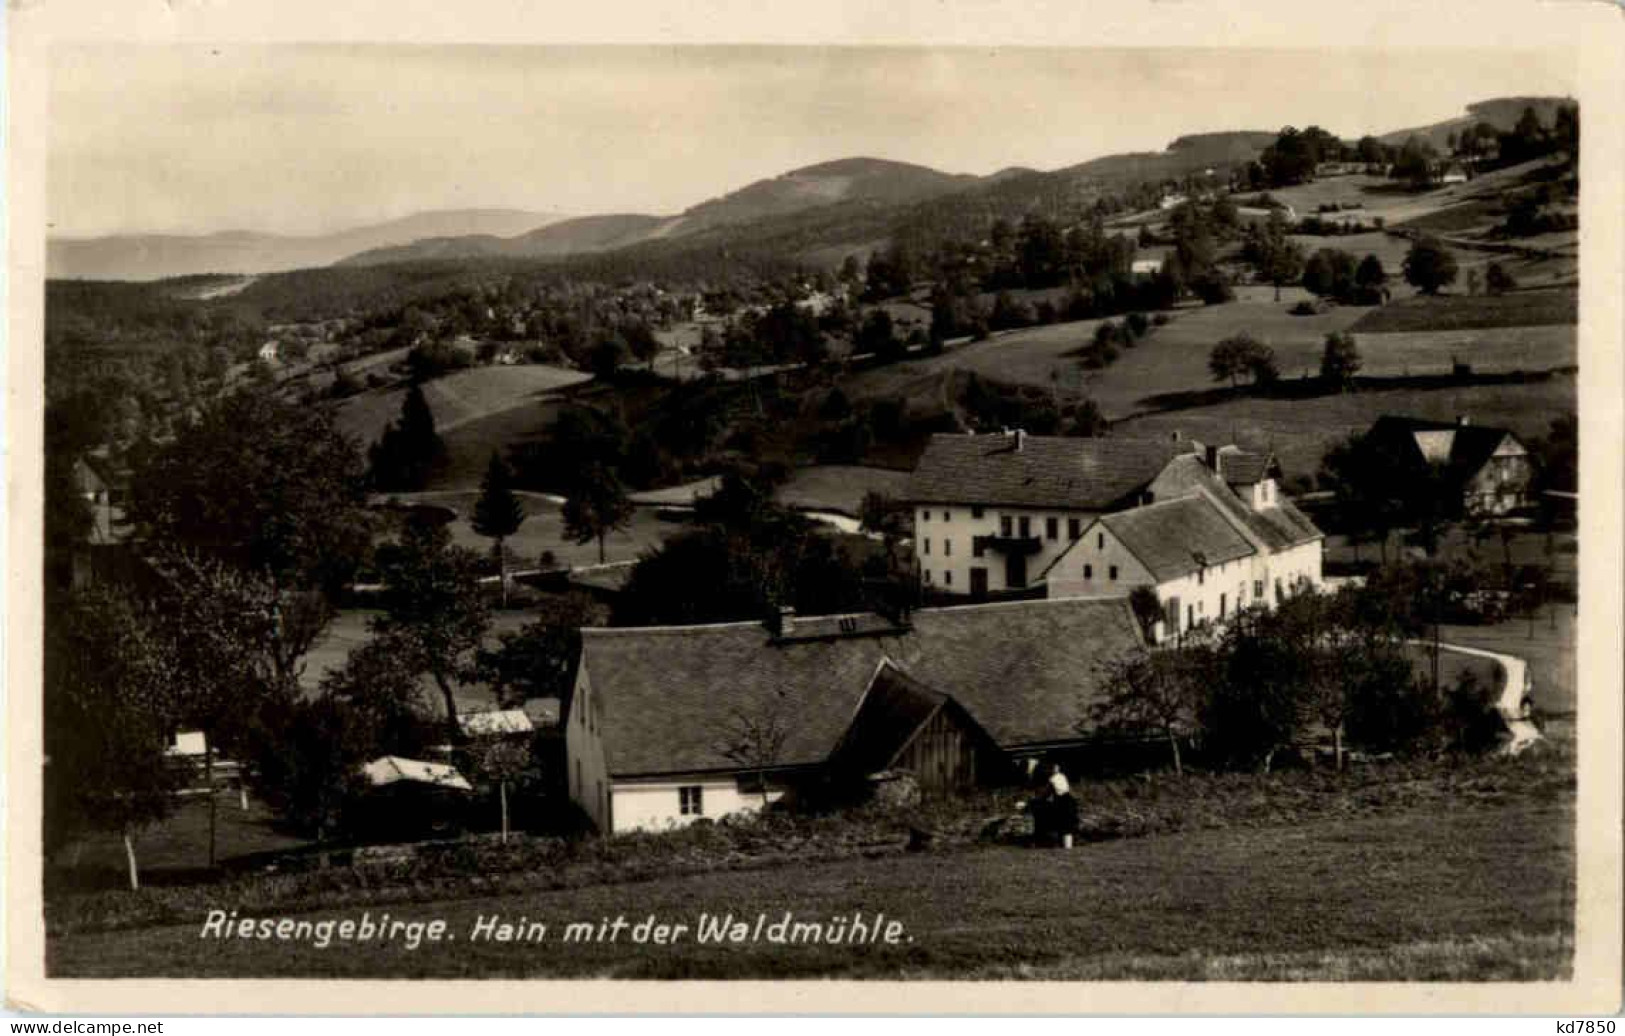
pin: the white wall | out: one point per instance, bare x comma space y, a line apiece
588, 780
944, 547
657, 805
1215, 593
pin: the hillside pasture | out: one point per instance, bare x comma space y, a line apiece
1462, 312
1478, 891
1300, 431
1174, 358
543, 530
1487, 350
457, 399
839, 487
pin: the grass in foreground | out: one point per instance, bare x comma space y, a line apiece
1477, 892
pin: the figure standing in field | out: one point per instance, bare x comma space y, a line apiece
1061, 806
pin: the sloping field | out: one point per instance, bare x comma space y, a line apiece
1299, 431
1476, 892
457, 399
838, 487
1460, 312
1489, 350
544, 530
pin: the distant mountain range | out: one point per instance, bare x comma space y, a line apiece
848, 180
814, 215
143, 257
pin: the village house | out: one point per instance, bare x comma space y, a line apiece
1487, 469
669, 725
994, 513
1216, 537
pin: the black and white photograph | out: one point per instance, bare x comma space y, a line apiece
896, 514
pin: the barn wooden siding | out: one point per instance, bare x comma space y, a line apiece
942, 754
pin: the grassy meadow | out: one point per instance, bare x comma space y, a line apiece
1300, 431
1481, 891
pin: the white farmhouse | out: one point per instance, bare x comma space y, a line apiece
955, 696
1217, 537
993, 512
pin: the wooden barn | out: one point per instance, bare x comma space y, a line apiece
902, 724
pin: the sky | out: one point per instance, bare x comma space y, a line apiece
301, 139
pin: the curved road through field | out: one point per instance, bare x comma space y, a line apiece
1515, 692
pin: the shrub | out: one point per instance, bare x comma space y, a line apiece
1498, 280
1137, 324
1160, 319
1213, 289
1304, 308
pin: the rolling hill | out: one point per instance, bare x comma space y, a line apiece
567, 237
1500, 112
147, 257
868, 181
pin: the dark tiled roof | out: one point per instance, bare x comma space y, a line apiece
1241, 468
894, 707
1278, 526
1466, 448
670, 696
1047, 471
1176, 537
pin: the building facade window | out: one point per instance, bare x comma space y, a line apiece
925, 545
1052, 528
976, 512
1111, 573
947, 547
1100, 541
948, 578
691, 801
947, 516
1074, 529
1088, 571
1258, 589
1026, 525
1004, 526
925, 516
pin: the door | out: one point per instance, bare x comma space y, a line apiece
1015, 571
978, 582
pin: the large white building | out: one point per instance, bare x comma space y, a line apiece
1216, 537
1206, 527
993, 512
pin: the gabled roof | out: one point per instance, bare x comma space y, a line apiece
669, 697
1463, 448
1175, 538
894, 708
1046, 471
1243, 468
391, 769
1277, 526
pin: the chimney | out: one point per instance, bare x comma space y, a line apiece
782, 622
1021, 439
1212, 455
